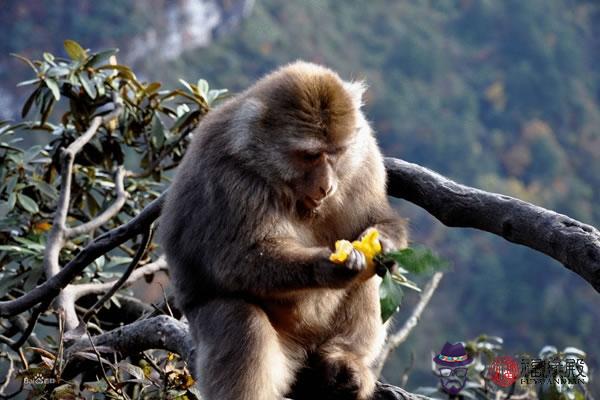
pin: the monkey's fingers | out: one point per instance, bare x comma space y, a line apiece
356, 261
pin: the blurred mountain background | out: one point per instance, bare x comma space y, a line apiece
501, 95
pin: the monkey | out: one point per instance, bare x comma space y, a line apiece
272, 177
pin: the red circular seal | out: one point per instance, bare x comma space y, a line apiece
504, 371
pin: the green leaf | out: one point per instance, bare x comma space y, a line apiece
99, 263
74, 50
100, 85
53, 86
548, 351
49, 58
4, 210
101, 57
214, 95
417, 260
29, 82
31, 153
390, 297
12, 199
27, 203
11, 183
58, 71
157, 131
125, 72
152, 87
187, 85
92, 205
30, 244
17, 249
131, 369
29, 102
574, 351
203, 88
88, 86
116, 261
185, 120
46, 189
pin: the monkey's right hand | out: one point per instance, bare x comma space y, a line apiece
354, 267
339, 274
356, 261
357, 256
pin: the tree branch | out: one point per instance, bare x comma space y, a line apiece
60, 232
162, 332
85, 289
167, 333
400, 336
106, 215
56, 237
569, 241
99, 246
572, 243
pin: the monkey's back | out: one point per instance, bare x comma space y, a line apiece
204, 218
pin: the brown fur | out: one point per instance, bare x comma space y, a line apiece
272, 179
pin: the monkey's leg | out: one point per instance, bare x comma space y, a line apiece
238, 353
341, 367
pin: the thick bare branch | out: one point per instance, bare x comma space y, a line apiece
400, 336
161, 332
108, 213
574, 244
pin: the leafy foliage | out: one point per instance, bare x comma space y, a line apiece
147, 139
416, 260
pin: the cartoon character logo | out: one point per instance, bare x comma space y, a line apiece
452, 365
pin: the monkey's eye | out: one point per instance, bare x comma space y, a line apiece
310, 157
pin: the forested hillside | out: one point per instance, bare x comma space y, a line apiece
501, 95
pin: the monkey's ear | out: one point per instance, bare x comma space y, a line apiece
356, 89
249, 112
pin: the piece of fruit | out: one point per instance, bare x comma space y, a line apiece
369, 245
342, 250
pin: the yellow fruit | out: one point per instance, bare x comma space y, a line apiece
342, 250
369, 245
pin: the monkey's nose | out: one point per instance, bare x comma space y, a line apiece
330, 189
326, 191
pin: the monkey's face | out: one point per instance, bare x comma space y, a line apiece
316, 177
297, 129
309, 161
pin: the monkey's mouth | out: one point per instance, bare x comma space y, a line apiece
311, 204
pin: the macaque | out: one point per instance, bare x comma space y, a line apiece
272, 178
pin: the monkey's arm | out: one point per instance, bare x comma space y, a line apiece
392, 228
278, 266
